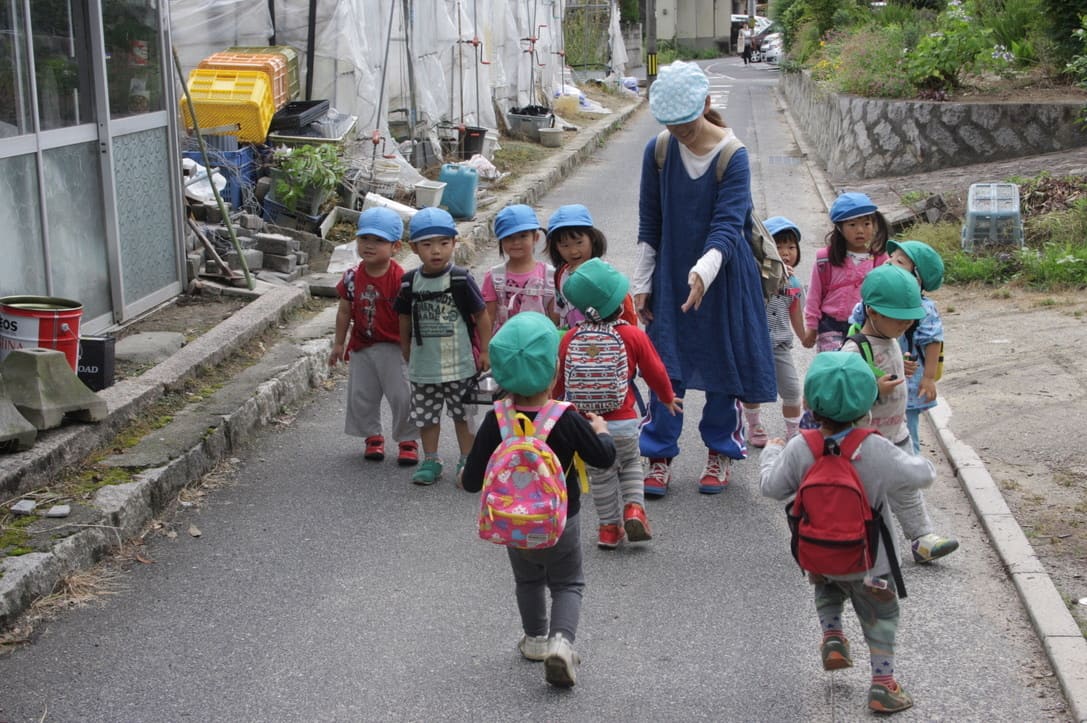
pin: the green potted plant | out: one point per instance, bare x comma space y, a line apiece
305, 176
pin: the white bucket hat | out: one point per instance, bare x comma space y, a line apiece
678, 95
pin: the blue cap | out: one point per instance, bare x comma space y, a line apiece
678, 95
574, 215
381, 222
777, 224
851, 205
430, 222
514, 219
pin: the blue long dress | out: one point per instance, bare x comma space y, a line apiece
723, 348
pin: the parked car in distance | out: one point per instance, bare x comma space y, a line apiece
771, 48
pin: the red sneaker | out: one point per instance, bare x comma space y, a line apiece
409, 454
635, 523
660, 474
610, 536
715, 475
375, 448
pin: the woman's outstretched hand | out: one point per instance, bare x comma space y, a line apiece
698, 290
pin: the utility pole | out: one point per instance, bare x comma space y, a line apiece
651, 43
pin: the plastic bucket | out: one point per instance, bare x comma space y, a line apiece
459, 196
471, 141
27, 322
428, 193
490, 144
551, 137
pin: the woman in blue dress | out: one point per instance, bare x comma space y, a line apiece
696, 284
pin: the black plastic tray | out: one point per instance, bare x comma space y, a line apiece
298, 114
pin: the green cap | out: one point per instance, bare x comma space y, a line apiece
928, 267
893, 292
840, 386
524, 353
596, 288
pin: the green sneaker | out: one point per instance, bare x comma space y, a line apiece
882, 699
927, 548
429, 472
835, 653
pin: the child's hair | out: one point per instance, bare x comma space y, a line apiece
568, 221
837, 245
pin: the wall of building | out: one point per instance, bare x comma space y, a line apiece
858, 137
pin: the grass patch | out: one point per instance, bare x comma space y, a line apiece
14, 537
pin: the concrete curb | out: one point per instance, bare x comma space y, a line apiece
1064, 644
126, 508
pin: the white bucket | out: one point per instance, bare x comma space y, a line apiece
490, 145
428, 193
373, 200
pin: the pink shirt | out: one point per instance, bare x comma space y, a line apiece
835, 290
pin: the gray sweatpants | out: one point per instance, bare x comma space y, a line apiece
557, 569
619, 484
375, 372
908, 505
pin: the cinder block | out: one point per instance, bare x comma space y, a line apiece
274, 243
14, 429
254, 259
193, 263
44, 389
302, 256
282, 264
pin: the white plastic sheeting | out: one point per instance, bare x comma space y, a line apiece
453, 61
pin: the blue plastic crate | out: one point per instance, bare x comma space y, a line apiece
239, 167
280, 215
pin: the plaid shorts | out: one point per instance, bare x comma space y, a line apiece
427, 401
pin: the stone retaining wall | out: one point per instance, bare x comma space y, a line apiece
856, 137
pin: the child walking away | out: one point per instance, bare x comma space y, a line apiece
785, 317
442, 317
839, 389
521, 283
571, 241
854, 247
888, 291
525, 352
597, 362
375, 366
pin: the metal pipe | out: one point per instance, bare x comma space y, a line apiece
311, 51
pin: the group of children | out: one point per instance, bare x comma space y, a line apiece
549, 321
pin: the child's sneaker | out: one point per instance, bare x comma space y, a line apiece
610, 536
835, 653
636, 523
409, 454
660, 474
882, 699
927, 548
375, 448
715, 475
534, 647
757, 437
561, 662
429, 472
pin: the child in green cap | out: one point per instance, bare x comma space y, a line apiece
524, 356
892, 306
840, 389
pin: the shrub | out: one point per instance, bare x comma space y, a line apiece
873, 64
957, 47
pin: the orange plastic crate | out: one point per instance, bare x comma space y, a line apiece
221, 97
272, 64
288, 53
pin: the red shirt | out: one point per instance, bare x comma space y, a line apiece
373, 320
641, 356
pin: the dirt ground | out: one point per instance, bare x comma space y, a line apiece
1016, 380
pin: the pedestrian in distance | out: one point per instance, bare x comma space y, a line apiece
839, 389
785, 317
376, 368
444, 332
525, 353
520, 282
855, 246
572, 239
696, 284
598, 360
892, 302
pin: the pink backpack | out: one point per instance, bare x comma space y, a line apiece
523, 502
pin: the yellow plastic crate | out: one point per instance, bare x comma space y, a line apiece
272, 64
294, 88
221, 97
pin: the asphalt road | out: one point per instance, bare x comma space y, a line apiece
328, 588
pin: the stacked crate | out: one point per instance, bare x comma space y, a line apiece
992, 216
271, 64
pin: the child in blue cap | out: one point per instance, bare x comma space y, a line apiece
375, 364
444, 332
520, 283
855, 246
840, 389
525, 353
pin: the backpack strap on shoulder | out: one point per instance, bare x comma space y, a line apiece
504, 414
660, 148
852, 441
725, 156
865, 347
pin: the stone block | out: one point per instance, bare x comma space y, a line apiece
15, 431
149, 347
24, 507
247, 242
44, 389
254, 259
283, 264
275, 243
302, 256
59, 511
193, 263
251, 221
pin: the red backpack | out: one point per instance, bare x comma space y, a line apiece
835, 530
